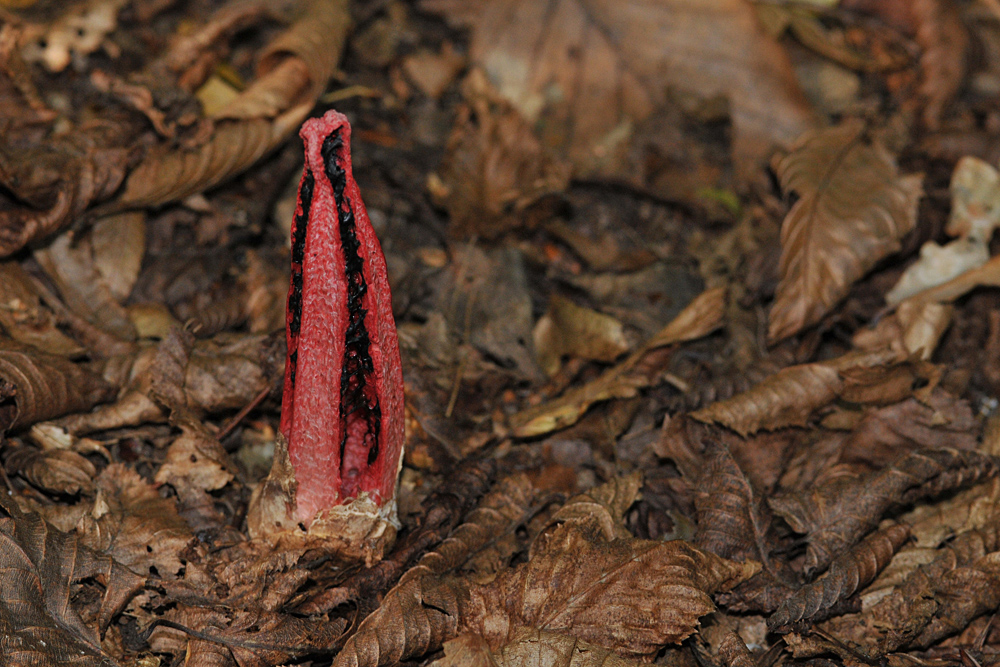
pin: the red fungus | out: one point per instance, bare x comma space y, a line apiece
342, 407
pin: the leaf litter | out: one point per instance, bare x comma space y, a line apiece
663, 402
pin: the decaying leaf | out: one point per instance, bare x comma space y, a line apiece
586, 72
848, 574
222, 373
195, 465
945, 43
292, 73
568, 329
853, 209
538, 648
495, 166
72, 268
132, 523
915, 328
699, 318
79, 31
842, 509
734, 522
48, 185
790, 396
42, 386
24, 318
57, 471
41, 625
633, 595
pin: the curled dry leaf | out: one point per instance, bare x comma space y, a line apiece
837, 513
987, 275
292, 73
914, 329
43, 386
588, 71
792, 395
848, 574
57, 471
911, 607
49, 185
528, 646
600, 510
699, 318
71, 266
852, 211
23, 317
42, 563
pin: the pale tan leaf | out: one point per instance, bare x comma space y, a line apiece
530, 648
571, 330
987, 275
118, 243
853, 208
914, 329
588, 71
698, 319
937, 265
975, 199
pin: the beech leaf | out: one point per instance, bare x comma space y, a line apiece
852, 211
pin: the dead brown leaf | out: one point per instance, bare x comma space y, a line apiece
571, 330
841, 509
43, 386
49, 184
633, 595
196, 464
25, 319
848, 574
586, 72
699, 318
538, 648
223, 373
853, 209
41, 564
495, 167
292, 73
132, 523
57, 471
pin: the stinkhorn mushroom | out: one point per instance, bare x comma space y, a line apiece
340, 445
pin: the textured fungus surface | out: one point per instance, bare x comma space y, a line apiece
342, 410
